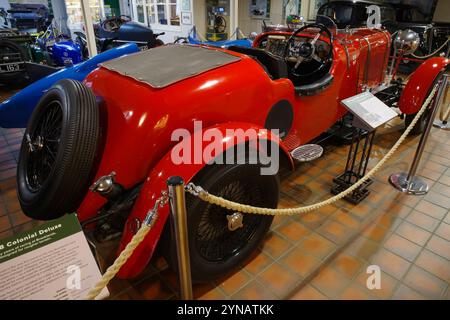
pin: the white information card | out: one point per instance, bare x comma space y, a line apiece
50, 262
370, 111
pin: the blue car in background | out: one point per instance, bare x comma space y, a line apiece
29, 16
15, 111
194, 38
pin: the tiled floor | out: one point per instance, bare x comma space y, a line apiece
323, 254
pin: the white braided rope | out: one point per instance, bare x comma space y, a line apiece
205, 196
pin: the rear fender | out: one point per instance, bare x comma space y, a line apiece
420, 83
156, 182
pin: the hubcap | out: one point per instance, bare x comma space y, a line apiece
222, 234
235, 221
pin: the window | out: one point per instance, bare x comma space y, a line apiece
162, 12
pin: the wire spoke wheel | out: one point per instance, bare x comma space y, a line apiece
220, 240
213, 238
43, 145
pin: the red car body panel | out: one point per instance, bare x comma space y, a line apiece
420, 83
156, 182
140, 119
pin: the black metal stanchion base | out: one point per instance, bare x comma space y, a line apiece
342, 184
355, 170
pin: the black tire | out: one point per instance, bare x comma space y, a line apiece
419, 128
219, 251
53, 178
13, 78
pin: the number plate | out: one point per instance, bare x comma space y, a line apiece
9, 67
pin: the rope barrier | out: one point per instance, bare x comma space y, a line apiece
205, 196
121, 259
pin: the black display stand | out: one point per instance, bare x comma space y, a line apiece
369, 113
356, 168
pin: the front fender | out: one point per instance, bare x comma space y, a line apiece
420, 83
156, 182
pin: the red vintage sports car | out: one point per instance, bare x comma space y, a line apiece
115, 129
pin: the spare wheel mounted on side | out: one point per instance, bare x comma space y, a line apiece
58, 151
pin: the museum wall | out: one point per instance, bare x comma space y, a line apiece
441, 14
248, 24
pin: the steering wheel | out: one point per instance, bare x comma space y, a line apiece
307, 50
112, 24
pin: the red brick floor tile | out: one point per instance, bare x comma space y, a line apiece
154, 289
423, 221
376, 233
27, 226
438, 199
398, 210
407, 200
300, 262
447, 218
441, 189
3, 211
213, 294
406, 293
278, 279
387, 284
308, 292
275, 246
439, 246
445, 180
391, 263
207, 291
425, 283
312, 220
430, 174
346, 219
431, 209
230, 284
254, 291
413, 233
363, 248
355, 292
4, 223
434, 264
402, 247
18, 218
293, 230
346, 264
330, 282
317, 246
6, 233
362, 210
388, 220
9, 173
334, 231
443, 231
7, 184
258, 262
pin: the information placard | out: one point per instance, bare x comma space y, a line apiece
370, 112
49, 262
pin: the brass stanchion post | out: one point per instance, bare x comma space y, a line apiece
179, 218
408, 182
